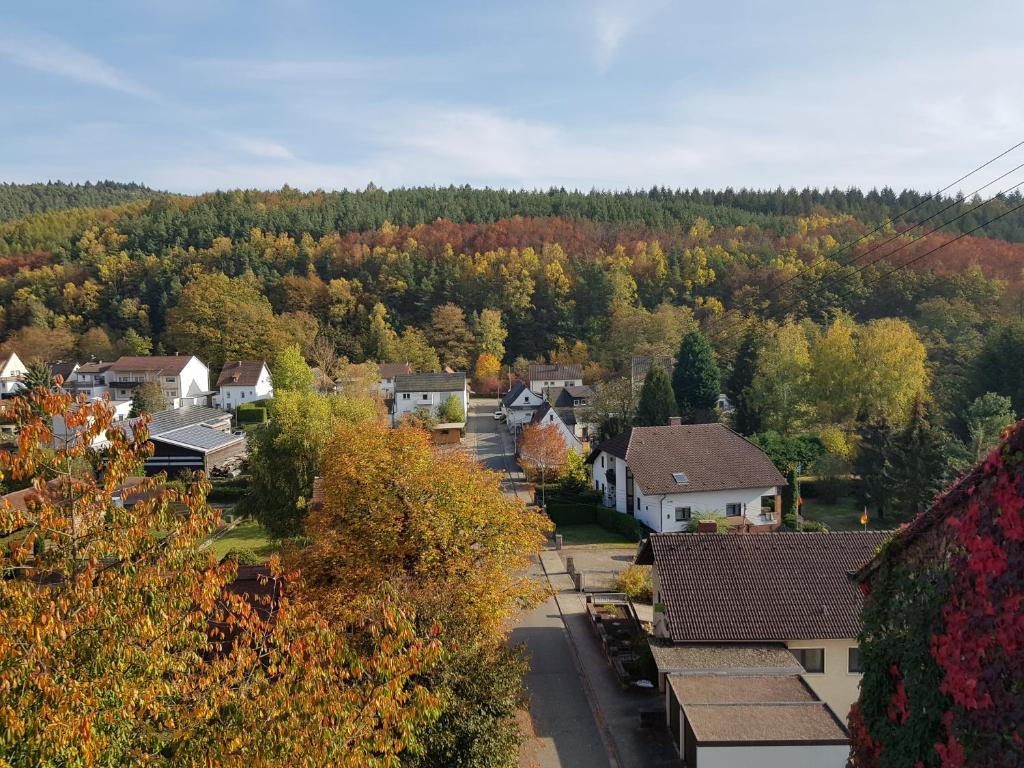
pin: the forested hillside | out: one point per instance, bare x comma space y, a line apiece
17, 200
441, 276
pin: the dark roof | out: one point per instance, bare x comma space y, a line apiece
555, 372
641, 364
712, 456
731, 658
199, 437
541, 414
97, 366
616, 446
186, 416
740, 689
63, 368
762, 587
240, 373
430, 382
566, 396
512, 394
390, 370
163, 364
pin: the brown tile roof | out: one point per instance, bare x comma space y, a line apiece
761, 587
164, 364
690, 658
97, 366
554, 372
740, 689
390, 370
240, 373
712, 456
64, 369
811, 722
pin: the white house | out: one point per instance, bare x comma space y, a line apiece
91, 379
11, 372
64, 436
242, 381
519, 404
547, 416
424, 393
387, 373
544, 378
573, 407
183, 379
666, 476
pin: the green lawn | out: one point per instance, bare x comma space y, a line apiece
595, 535
248, 534
844, 515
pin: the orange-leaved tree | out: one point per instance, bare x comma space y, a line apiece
122, 642
542, 452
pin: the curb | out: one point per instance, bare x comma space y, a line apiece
602, 727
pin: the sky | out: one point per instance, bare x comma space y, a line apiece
197, 95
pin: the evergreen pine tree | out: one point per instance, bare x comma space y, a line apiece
696, 380
920, 460
873, 466
748, 421
657, 401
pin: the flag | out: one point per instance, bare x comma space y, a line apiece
864, 517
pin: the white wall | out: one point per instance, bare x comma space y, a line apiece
425, 400
659, 512
760, 756
14, 367
567, 434
193, 381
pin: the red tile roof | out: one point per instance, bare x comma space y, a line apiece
164, 364
240, 373
720, 587
712, 456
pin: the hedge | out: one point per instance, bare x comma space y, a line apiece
251, 414
226, 493
564, 511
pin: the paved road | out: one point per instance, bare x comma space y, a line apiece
561, 731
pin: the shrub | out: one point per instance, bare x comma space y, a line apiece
242, 556
635, 582
616, 522
250, 414
807, 525
226, 493
720, 525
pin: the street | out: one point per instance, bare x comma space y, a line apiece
561, 730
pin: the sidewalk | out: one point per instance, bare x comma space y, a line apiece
617, 711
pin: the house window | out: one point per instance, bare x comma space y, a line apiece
169, 379
426, 395
853, 661
811, 659
405, 395
526, 399
602, 460
683, 514
733, 510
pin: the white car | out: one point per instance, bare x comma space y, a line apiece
498, 415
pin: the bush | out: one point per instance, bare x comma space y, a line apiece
225, 493
635, 581
583, 509
251, 414
616, 522
808, 525
242, 556
720, 525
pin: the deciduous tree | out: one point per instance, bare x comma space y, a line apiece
148, 397
450, 336
290, 372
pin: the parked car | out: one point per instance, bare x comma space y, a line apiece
499, 416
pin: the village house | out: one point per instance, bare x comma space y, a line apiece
242, 381
667, 476
754, 634
12, 370
387, 373
91, 379
518, 406
66, 370
573, 407
183, 379
424, 393
545, 378
547, 416
641, 364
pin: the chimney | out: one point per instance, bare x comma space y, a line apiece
675, 421
707, 526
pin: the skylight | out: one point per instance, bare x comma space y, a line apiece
680, 478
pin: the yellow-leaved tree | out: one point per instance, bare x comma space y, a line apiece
123, 643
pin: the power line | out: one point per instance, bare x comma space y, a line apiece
803, 270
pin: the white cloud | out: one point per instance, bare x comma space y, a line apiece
613, 21
256, 147
53, 56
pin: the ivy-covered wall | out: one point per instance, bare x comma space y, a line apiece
942, 646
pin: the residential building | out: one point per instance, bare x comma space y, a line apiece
519, 404
573, 406
66, 370
424, 393
183, 379
724, 594
12, 370
667, 476
192, 438
641, 364
242, 381
387, 373
547, 416
91, 379
544, 378
64, 436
